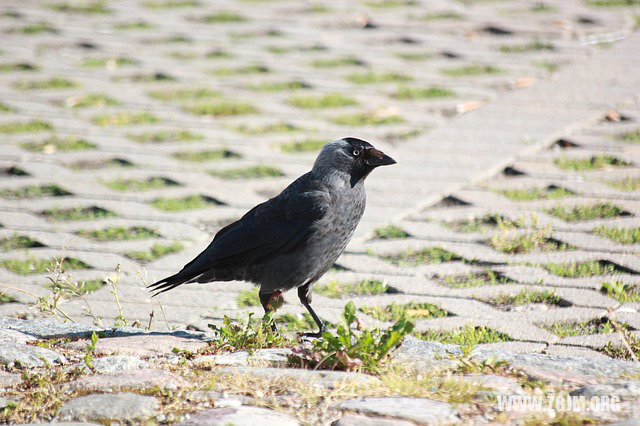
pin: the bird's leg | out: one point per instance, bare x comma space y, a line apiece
304, 293
264, 301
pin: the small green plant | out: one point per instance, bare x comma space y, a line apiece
124, 119
52, 83
369, 118
109, 63
384, 4
91, 347
35, 28
349, 349
346, 61
411, 257
587, 212
90, 164
247, 298
613, 3
252, 335
223, 16
133, 25
441, 16
221, 108
92, 100
165, 136
17, 242
411, 310
254, 172
6, 298
190, 202
468, 337
415, 56
300, 323
203, 156
632, 137
53, 144
35, 191
371, 77
533, 46
336, 290
331, 100
583, 269
135, 184
4, 108
477, 279
409, 93
627, 184
114, 281
184, 94
119, 233
623, 293
25, 126
593, 163
620, 235
529, 194
525, 297
390, 232
77, 213
306, 145
157, 251
471, 70
279, 86
535, 239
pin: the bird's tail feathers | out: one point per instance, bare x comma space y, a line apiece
169, 283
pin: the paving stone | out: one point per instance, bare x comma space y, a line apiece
9, 379
416, 409
626, 390
105, 407
141, 346
12, 354
324, 378
109, 364
266, 357
133, 379
426, 355
240, 416
497, 384
361, 420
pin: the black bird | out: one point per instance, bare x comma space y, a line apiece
291, 240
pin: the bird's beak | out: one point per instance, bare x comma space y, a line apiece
377, 158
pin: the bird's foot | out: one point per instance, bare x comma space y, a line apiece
311, 335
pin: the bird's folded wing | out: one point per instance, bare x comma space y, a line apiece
275, 227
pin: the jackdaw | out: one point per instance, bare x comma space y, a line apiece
291, 240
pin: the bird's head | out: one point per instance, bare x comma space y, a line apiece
351, 156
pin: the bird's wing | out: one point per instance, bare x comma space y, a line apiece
275, 227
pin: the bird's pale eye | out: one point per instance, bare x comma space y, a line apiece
356, 152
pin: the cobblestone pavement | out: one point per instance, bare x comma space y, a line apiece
132, 131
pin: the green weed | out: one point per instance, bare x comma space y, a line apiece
471, 70
52, 83
476, 279
307, 145
529, 194
190, 202
254, 172
430, 255
221, 108
33, 265
25, 126
331, 100
594, 163
124, 119
157, 251
336, 290
77, 213
468, 336
587, 212
372, 77
35, 191
408, 93
119, 233
374, 118
17, 242
202, 156
135, 184
411, 310
390, 232
582, 269
165, 136
620, 235
54, 143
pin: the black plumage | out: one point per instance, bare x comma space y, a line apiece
291, 240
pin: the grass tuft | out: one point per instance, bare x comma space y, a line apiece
533, 46
627, 184
184, 94
52, 83
567, 329
476, 279
53, 144
134, 184
202, 156
331, 100
597, 162
526, 297
124, 119
221, 108
280, 127
376, 78
390, 232
411, 310
223, 16
308, 145
253, 172
587, 212
374, 118
468, 336
280, 86
408, 93
25, 127
84, 7
119, 233
583, 269
18, 67
632, 137
17, 242
529, 194
165, 136
34, 191
347, 61
336, 290
190, 202
471, 70
248, 298
93, 100
623, 293
109, 63
157, 251
33, 265
430, 255
77, 214
620, 235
